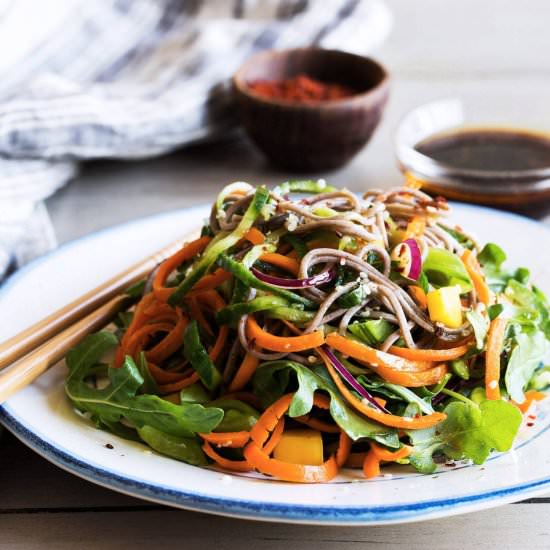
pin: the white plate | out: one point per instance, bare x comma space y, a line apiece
41, 417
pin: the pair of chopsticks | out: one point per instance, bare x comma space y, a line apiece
31, 352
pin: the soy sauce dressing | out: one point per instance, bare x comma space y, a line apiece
489, 149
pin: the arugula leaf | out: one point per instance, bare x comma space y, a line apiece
526, 356
492, 255
469, 431
238, 416
149, 384
198, 357
186, 449
119, 399
271, 380
480, 324
395, 391
195, 393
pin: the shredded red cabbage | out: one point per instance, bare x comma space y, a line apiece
348, 377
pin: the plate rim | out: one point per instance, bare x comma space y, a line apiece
255, 509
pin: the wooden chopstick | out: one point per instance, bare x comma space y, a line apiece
35, 363
29, 339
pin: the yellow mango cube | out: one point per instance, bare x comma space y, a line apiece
300, 447
444, 306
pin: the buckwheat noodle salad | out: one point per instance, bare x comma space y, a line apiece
308, 330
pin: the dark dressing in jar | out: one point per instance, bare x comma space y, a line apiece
489, 149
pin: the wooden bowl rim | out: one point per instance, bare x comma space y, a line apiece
241, 86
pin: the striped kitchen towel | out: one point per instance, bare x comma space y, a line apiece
132, 79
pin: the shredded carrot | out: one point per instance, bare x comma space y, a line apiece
419, 296
275, 437
258, 457
195, 312
213, 280
426, 377
289, 344
138, 320
227, 439
371, 465
297, 473
380, 401
391, 420
317, 424
225, 463
293, 255
193, 378
244, 374
169, 344
375, 357
188, 251
322, 402
415, 228
255, 236
284, 262
162, 376
344, 449
495, 341
377, 454
212, 299
430, 354
530, 397
478, 279
140, 337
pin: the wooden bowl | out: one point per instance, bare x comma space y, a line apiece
312, 136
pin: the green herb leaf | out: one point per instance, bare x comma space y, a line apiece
469, 431
394, 391
272, 379
238, 416
372, 332
120, 400
186, 449
443, 268
526, 356
198, 357
353, 297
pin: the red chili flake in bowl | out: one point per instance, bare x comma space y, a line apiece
301, 89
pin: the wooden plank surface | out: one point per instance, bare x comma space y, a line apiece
494, 49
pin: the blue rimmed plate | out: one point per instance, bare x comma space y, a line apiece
41, 417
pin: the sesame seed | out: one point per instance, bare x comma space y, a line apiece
493, 384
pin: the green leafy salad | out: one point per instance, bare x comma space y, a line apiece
308, 330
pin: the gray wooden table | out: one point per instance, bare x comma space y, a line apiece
437, 48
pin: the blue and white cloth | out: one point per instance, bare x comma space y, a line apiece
131, 79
